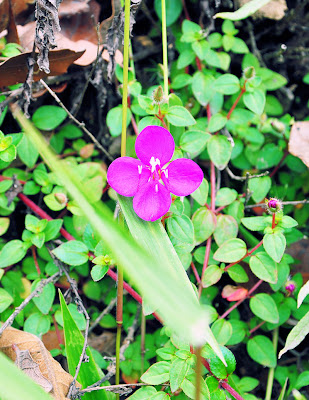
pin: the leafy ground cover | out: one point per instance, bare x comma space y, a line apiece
205, 243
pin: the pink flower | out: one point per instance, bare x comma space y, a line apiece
149, 179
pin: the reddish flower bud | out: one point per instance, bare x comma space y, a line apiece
273, 205
234, 293
290, 286
61, 198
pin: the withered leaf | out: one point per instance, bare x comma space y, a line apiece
25, 362
299, 141
4, 14
49, 368
14, 69
275, 9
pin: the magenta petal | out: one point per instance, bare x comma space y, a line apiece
123, 175
183, 177
152, 201
154, 141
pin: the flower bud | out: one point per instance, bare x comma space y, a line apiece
249, 73
61, 198
158, 95
273, 205
278, 126
290, 286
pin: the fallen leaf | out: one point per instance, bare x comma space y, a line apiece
299, 141
50, 369
234, 293
4, 14
275, 9
14, 69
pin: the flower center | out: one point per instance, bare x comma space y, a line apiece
153, 163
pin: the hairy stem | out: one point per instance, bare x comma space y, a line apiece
243, 89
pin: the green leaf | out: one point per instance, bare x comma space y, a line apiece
157, 373
8, 154
89, 373
255, 101
144, 393
188, 387
225, 196
296, 335
52, 229
246, 384
238, 274
202, 87
272, 80
72, 253
15, 384
46, 298
274, 245
179, 116
193, 141
304, 291
38, 324
12, 252
5, 300
5, 223
255, 223
48, 118
227, 84
240, 330
185, 58
114, 120
181, 228
243, 12
200, 48
273, 106
264, 267
264, 307
173, 10
98, 272
287, 222
204, 222
231, 251
52, 203
219, 150
201, 193
261, 350
211, 276
181, 81
218, 368
217, 122
227, 228
178, 372
302, 380
222, 330
239, 46
259, 187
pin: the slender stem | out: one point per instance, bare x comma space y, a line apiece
143, 336
279, 164
213, 186
33, 250
119, 314
254, 287
256, 327
198, 373
164, 48
232, 391
243, 89
273, 221
271, 372
197, 277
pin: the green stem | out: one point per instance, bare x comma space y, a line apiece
198, 373
164, 47
143, 336
271, 372
125, 76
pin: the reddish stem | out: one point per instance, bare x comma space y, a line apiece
246, 255
219, 209
229, 389
254, 287
212, 186
33, 249
198, 63
273, 221
208, 112
197, 277
256, 327
134, 125
185, 10
279, 164
243, 89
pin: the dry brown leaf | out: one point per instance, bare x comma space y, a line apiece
4, 14
299, 141
14, 69
49, 368
275, 9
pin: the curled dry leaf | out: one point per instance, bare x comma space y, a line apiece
299, 141
275, 9
4, 14
14, 69
46, 368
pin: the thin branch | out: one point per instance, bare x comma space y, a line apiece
130, 335
243, 178
81, 125
103, 313
113, 388
35, 293
284, 203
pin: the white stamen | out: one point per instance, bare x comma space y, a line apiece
140, 167
165, 173
157, 188
154, 162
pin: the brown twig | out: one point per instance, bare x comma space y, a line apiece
103, 313
243, 178
284, 203
40, 287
